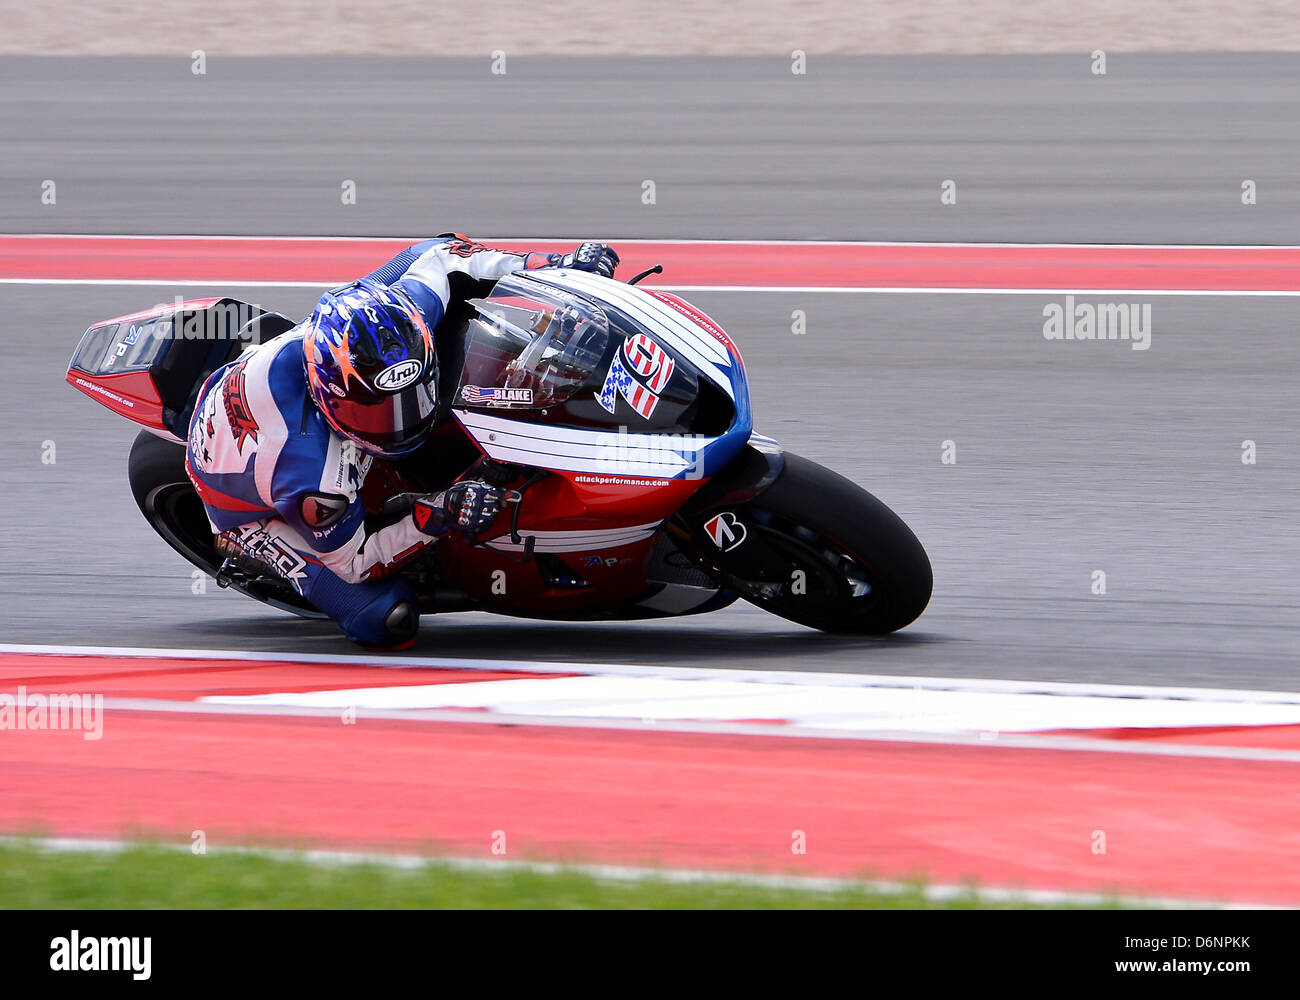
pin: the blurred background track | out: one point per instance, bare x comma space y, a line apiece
627, 27
1041, 149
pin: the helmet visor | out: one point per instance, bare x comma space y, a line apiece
387, 425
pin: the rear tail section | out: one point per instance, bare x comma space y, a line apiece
149, 365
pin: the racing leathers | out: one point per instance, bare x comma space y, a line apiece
281, 486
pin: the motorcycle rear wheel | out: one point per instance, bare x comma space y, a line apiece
166, 498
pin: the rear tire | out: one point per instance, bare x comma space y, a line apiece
166, 498
821, 551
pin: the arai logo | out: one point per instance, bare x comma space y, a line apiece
398, 376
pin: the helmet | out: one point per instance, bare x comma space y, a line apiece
371, 367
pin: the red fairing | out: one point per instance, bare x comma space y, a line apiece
567, 502
130, 394
615, 573
576, 500
626, 499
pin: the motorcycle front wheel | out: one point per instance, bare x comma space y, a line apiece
817, 549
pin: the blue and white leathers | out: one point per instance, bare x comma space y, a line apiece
282, 485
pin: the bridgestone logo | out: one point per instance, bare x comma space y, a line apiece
727, 531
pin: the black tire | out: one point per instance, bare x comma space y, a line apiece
864, 571
166, 498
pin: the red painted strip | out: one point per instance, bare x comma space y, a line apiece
817, 265
190, 679
187, 680
1218, 829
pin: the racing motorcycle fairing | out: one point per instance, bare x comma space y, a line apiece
575, 373
629, 401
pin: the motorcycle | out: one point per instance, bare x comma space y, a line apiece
618, 418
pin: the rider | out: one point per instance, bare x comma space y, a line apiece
281, 439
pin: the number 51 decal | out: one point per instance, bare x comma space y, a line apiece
653, 367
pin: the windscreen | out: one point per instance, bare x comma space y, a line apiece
530, 345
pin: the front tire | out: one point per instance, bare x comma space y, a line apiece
819, 550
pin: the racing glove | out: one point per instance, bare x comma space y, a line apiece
468, 507
598, 258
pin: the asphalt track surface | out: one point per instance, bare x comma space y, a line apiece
1041, 149
1071, 457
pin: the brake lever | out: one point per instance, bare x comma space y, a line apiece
516, 497
528, 484
657, 269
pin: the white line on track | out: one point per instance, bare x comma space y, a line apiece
1066, 688
626, 873
1001, 740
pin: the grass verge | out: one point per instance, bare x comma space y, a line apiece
151, 877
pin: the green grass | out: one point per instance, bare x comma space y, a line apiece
149, 877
